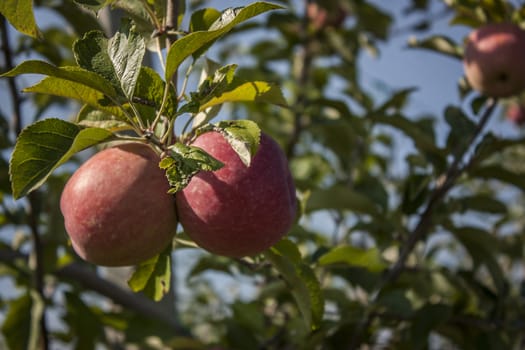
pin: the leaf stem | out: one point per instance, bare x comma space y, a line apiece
33, 207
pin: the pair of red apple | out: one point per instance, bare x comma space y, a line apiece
117, 210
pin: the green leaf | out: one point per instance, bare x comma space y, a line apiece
479, 202
342, 198
440, 44
301, 280
203, 19
91, 53
461, 127
496, 172
21, 326
126, 50
93, 5
43, 146
153, 277
417, 133
214, 84
21, 15
76, 91
96, 118
369, 259
149, 91
248, 91
211, 262
183, 162
74, 74
16, 326
397, 101
243, 136
426, 319
193, 42
482, 247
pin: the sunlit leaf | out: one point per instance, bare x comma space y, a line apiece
251, 91
243, 136
76, 91
369, 259
153, 277
20, 14
193, 42
43, 146
126, 50
74, 74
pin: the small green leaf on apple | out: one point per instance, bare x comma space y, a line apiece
183, 162
243, 136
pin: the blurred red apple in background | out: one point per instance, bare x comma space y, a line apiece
237, 210
516, 113
494, 59
116, 208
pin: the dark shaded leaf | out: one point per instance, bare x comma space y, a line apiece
301, 280
183, 162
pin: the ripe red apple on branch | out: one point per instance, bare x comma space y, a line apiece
494, 59
237, 210
116, 208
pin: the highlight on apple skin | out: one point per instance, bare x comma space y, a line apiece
494, 59
237, 210
116, 208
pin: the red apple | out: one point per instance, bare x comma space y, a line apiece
516, 114
237, 210
116, 208
494, 59
325, 17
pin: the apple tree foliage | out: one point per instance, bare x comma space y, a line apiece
363, 265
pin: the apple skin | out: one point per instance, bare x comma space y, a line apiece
494, 59
515, 113
321, 18
238, 211
116, 208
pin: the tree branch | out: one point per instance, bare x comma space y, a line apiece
90, 280
303, 77
33, 207
445, 184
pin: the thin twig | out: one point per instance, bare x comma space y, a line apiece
303, 78
33, 207
449, 179
424, 224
